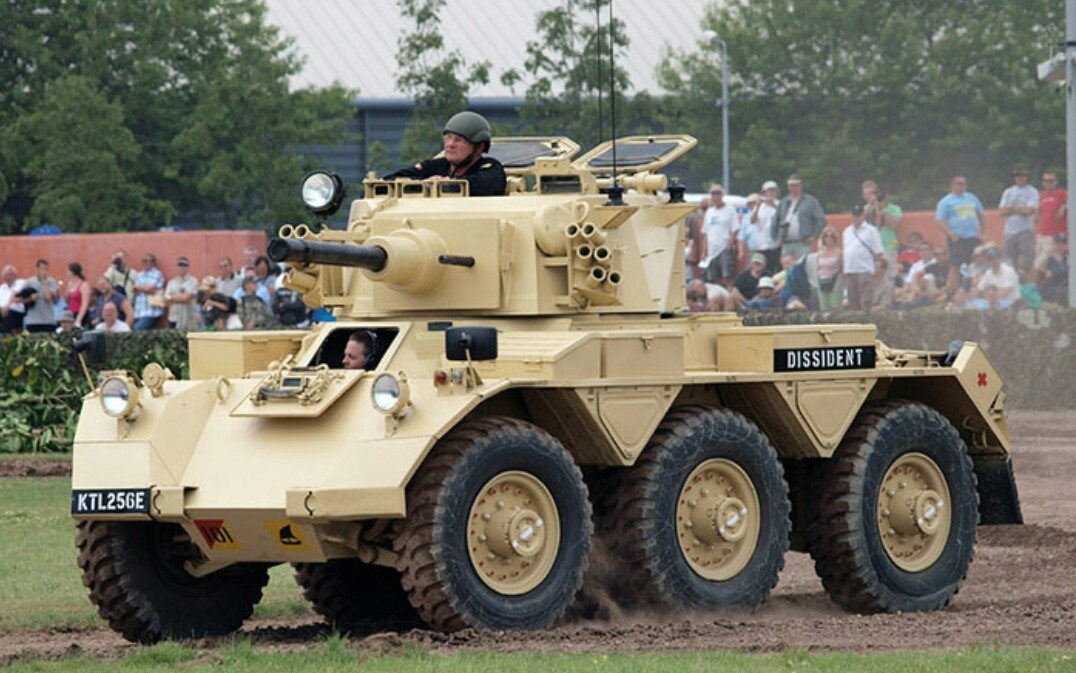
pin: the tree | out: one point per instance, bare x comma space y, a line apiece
903, 91
569, 66
197, 90
436, 77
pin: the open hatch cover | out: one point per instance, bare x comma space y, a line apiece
518, 155
635, 154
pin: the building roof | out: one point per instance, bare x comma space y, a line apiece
354, 42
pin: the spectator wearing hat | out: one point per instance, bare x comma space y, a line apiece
959, 215
799, 220
67, 322
1054, 272
766, 298
757, 229
148, 294
252, 310
862, 248
999, 287
179, 295
1020, 204
745, 287
718, 255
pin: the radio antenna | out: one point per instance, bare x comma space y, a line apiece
598, 39
616, 192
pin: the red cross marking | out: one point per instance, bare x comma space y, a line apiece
982, 379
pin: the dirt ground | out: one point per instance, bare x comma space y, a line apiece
1021, 590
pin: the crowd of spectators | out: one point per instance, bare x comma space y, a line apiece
779, 253
123, 299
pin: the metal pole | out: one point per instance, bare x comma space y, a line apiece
725, 115
1070, 127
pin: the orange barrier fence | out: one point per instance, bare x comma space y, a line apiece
94, 251
923, 222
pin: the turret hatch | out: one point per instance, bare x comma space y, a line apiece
635, 154
518, 155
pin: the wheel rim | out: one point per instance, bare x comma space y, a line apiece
513, 533
718, 519
914, 512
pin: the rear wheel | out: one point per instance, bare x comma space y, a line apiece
898, 512
136, 577
701, 522
498, 529
351, 594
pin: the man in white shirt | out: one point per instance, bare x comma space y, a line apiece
110, 320
12, 311
1000, 285
862, 248
718, 256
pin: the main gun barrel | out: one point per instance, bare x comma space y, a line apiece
369, 257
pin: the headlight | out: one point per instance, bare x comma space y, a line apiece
390, 393
119, 397
323, 192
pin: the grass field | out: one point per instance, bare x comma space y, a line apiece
40, 582
337, 655
40, 588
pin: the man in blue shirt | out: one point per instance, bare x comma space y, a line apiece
959, 215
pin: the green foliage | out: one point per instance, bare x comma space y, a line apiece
43, 383
117, 115
903, 92
437, 78
40, 395
566, 70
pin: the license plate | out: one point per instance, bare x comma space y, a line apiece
110, 501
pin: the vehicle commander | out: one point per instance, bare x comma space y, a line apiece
467, 138
358, 350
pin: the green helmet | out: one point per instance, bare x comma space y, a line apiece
471, 126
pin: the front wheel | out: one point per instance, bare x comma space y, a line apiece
136, 577
898, 512
498, 529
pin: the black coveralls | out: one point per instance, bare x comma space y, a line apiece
486, 176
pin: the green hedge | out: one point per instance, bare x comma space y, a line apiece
42, 383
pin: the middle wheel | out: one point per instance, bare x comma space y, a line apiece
702, 520
498, 529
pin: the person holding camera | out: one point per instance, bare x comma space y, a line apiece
799, 220
885, 216
119, 275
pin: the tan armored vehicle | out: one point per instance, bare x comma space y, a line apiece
530, 382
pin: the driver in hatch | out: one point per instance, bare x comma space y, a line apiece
467, 137
358, 351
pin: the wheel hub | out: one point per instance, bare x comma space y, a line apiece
914, 514
513, 533
717, 518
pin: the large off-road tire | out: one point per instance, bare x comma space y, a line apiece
498, 529
701, 522
136, 578
898, 512
351, 595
